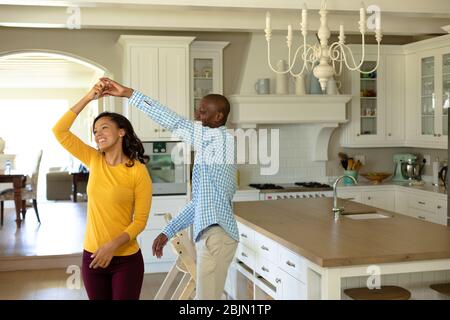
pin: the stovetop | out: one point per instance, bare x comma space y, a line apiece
292, 187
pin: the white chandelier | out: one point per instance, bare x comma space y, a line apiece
336, 53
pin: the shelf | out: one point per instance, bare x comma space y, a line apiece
428, 76
370, 98
368, 79
369, 117
427, 115
203, 78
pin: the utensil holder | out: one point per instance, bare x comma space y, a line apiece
348, 181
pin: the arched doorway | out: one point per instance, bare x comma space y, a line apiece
35, 88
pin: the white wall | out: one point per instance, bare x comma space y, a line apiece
256, 66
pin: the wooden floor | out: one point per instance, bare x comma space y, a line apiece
61, 230
55, 284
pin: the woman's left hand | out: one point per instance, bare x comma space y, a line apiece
103, 256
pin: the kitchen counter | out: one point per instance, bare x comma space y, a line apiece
426, 187
307, 227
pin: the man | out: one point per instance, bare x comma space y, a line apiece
213, 184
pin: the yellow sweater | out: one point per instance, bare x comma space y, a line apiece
114, 193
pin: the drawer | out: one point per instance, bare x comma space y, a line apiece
246, 236
246, 255
267, 270
293, 264
422, 203
266, 248
162, 206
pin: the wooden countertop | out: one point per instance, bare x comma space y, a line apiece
307, 227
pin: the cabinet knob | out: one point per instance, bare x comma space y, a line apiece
156, 130
357, 134
389, 134
421, 202
439, 135
163, 130
264, 269
243, 254
439, 207
265, 248
435, 135
277, 280
243, 235
421, 217
369, 198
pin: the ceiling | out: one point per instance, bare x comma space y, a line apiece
38, 70
399, 17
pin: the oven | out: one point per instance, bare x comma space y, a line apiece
167, 167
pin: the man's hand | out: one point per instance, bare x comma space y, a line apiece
116, 89
103, 255
158, 245
97, 91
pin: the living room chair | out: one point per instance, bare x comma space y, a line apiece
29, 192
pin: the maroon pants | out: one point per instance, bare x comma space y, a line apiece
121, 280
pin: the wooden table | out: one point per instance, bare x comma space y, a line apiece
78, 177
18, 181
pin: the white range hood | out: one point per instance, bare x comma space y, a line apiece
325, 112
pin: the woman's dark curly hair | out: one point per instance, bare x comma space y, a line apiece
131, 145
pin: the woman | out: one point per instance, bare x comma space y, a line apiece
119, 199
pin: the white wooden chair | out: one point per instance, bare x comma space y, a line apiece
185, 263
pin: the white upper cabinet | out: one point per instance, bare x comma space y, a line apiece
376, 112
159, 67
206, 70
428, 90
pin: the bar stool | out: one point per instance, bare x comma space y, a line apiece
443, 288
384, 293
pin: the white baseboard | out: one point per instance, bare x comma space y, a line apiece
15, 263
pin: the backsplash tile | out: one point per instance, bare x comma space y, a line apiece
295, 163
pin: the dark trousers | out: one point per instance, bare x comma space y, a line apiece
121, 280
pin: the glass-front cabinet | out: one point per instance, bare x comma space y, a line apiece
427, 96
445, 91
368, 100
206, 70
434, 95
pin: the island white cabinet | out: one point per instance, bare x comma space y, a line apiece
269, 269
159, 67
156, 222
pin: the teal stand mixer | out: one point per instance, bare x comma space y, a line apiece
398, 159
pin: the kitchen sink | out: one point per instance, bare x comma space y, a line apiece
367, 215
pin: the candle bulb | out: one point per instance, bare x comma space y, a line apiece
268, 21
341, 31
289, 32
362, 13
304, 16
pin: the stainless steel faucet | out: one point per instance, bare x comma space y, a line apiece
337, 211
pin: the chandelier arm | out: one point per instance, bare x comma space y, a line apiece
354, 67
295, 58
335, 54
270, 64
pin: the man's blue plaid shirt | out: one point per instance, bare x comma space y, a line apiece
214, 172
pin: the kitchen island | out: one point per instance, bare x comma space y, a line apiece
300, 239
